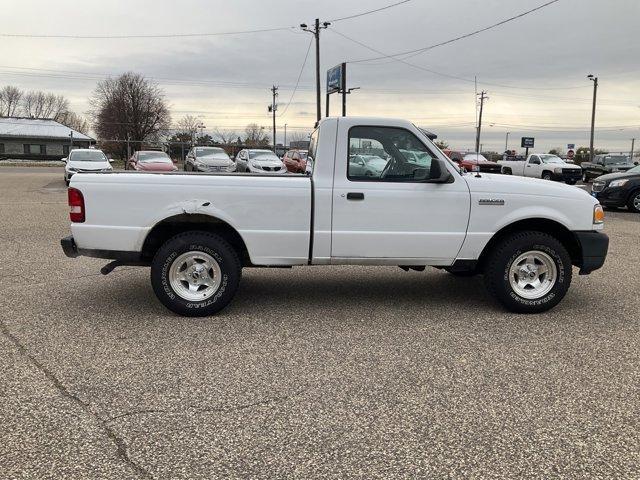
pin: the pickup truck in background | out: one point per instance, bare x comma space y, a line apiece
198, 231
545, 166
605, 164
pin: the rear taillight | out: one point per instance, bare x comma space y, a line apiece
76, 205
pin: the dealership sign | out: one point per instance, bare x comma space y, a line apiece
527, 142
334, 79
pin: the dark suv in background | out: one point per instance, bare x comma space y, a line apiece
604, 164
619, 189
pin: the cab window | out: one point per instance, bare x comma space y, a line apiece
387, 154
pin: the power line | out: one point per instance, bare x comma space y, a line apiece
418, 51
168, 35
368, 12
299, 76
447, 75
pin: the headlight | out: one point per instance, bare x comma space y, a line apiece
598, 214
256, 166
558, 170
617, 183
231, 167
72, 169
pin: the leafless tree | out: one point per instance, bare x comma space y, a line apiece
129, 107
255, 136
298, 137
10, 98
225, 137
189, 125
76, 122
37, 104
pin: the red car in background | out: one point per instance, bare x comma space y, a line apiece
472, 161
150, 161
295, 161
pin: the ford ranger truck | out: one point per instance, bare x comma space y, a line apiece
198, 231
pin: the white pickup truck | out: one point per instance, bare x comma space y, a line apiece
545, 166
197, 231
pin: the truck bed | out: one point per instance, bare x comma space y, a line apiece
271, 213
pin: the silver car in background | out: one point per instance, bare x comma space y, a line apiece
259, 161
208, 159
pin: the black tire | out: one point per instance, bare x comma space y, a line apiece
634, 202
546, 175
67, 182
211, 244
507, 171
499, 261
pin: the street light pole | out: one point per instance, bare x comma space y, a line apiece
285, 135
506, 142
593, 114
633, 143
316, 33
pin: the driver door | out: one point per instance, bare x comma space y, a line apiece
534, 167
393, 216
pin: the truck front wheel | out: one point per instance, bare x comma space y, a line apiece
528, 272
195, 273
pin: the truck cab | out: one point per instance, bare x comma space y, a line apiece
543, 165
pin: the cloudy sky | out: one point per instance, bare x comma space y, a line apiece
533, 69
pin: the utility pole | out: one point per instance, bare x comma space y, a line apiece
273, 108
633, 142
483, 97
316, 33
285, 136
506, 142
593, 114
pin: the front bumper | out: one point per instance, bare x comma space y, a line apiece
593, 250
282, 171
612, 197
568, 176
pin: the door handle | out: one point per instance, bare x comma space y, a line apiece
355, 196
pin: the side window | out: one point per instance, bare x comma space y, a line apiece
534, 160
387, 154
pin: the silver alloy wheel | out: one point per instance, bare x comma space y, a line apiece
533, 274
195, 276
636, 202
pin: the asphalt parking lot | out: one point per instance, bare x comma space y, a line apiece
312, 372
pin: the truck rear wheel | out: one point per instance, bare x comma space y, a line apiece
195, 273
528, 272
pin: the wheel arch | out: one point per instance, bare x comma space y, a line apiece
184, 222
544, 225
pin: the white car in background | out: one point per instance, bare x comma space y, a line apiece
259, 161
208, 159
85, 160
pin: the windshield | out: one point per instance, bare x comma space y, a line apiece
87, 156
550, 159
263, 153
616, 160
209, 151
156, 157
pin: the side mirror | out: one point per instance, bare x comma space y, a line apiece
64, 160
438, 172
110, 160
